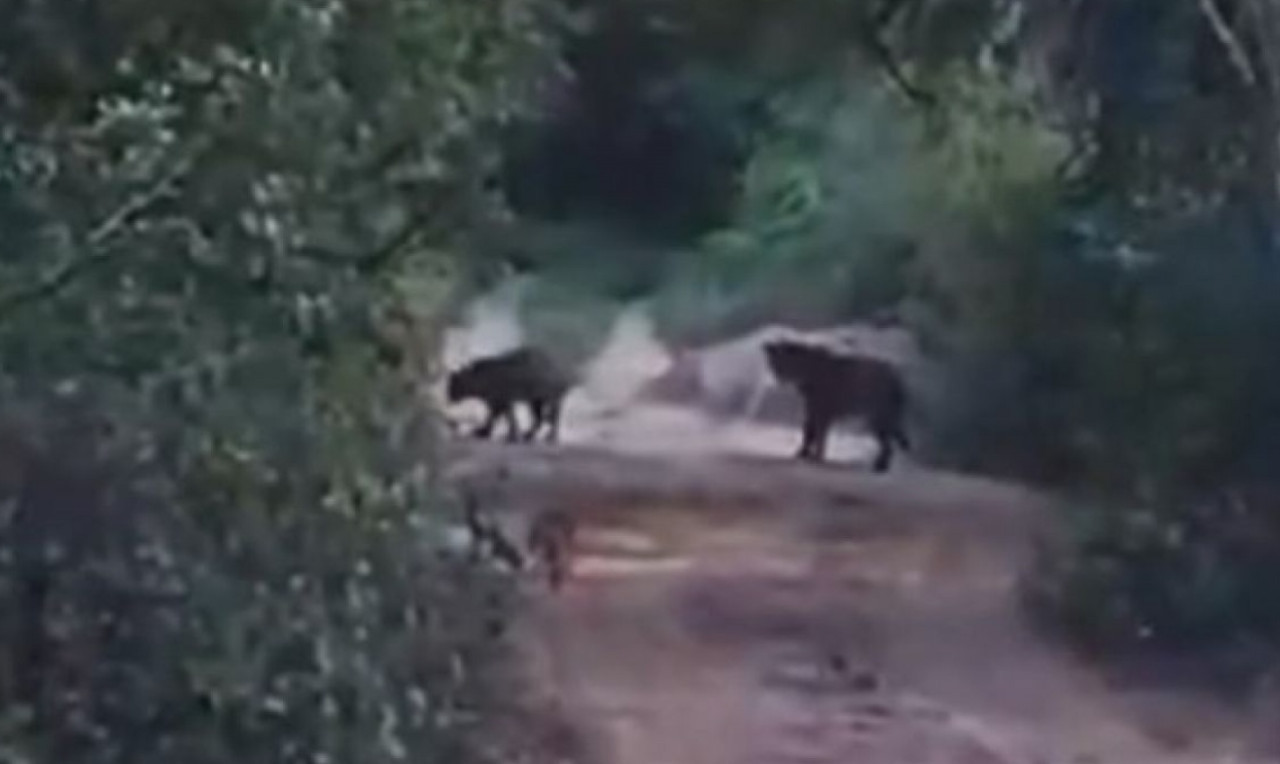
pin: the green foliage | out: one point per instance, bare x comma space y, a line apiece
1182, 574
639, 137
224, 229
822, 225
1102, 321
1171, 406
732, 149
996, 295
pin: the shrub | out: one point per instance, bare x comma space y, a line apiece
251, 612
218, 468
1180, 575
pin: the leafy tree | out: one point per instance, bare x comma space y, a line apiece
1115, 334
639, 137
220, 222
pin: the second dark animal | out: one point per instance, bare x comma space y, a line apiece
550, 540
834, 385
524, 375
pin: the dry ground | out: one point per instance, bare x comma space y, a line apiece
734, 608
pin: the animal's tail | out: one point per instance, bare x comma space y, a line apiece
899, 419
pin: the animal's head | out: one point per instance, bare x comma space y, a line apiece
460, 384
790, 361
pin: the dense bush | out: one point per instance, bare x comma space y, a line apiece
1170, 416
1104, 319
637, 138
1178, 573
248, 613
225, 228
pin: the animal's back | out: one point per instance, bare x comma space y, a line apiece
837, 384
520, 372
842, 382
545, 376
872, 385
490, 378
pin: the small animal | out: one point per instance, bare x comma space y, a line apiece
550, 541
488, 539
524, 374
833, 385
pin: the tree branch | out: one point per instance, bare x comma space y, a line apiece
1264, 20
374, 259
1081, 154
873, 32
893, 69
1235, 50
98, 236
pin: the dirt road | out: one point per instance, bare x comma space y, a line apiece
732, 608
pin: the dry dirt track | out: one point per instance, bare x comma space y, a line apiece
733, 607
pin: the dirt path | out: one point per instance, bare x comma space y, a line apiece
731, 609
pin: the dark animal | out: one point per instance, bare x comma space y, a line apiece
834, 385
501, 381
550, 541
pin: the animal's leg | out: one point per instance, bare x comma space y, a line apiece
806, 436
513, 424
491, 420
885, 456
822, 430
886, 434
810, 435
900, 437
538, 412
553, 420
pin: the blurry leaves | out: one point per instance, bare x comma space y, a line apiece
1175, 573
226, 229
827, 202
1103, 325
